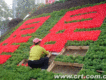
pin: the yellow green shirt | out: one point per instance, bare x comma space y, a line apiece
36, 52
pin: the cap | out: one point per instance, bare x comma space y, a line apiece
36, 40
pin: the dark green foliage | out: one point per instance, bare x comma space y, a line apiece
50, 42
78, 20
70, 58
61, 31
89, 29
5, 43
83, 13
32, 23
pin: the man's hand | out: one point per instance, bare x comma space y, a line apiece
49, 54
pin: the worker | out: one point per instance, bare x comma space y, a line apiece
35, 60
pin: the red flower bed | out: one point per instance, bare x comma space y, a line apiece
96, 14
16, 36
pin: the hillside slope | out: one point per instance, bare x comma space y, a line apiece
16, 44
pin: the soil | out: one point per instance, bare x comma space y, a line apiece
51, 59
68, 70
75, 52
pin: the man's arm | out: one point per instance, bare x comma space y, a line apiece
47, 52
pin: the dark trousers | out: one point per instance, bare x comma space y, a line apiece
42, 63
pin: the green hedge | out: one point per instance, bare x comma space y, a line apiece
70, 59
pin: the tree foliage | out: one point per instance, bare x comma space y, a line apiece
24, 7
5, 13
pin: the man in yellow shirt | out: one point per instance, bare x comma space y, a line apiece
35, 60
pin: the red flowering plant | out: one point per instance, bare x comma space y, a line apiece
90, 17
23, 64
4, 58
